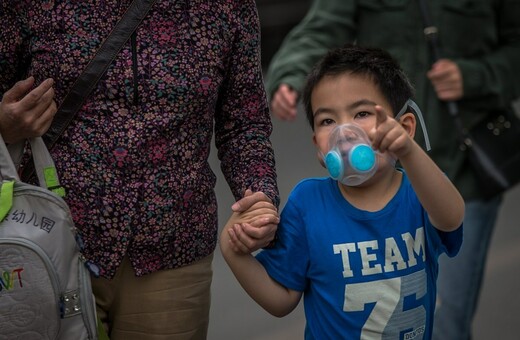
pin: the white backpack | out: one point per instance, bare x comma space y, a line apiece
45, 290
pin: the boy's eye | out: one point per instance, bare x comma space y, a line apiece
327, 121
362, 114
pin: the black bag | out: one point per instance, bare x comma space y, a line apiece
493, 145
493, 148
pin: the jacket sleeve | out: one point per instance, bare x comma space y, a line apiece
491, 81
327, 24
242, 121
14, 55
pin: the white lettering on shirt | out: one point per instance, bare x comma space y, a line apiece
371, 263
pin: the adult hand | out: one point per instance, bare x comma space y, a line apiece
249, 237
447, 80
27, 113
249, 200
283, 103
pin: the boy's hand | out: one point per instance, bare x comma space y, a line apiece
389, 135
241, 239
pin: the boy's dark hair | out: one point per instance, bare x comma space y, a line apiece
375, 63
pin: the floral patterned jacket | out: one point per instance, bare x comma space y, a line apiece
135, 160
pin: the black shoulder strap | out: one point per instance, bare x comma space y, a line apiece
90, 76
432, 38
88, 80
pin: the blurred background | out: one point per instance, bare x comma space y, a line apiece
234, 316
277, 17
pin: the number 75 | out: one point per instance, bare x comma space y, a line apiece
388, 319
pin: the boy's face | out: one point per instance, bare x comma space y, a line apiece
342, 99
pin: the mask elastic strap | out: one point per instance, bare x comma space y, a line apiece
418, 112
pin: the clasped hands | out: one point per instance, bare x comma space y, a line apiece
253, 223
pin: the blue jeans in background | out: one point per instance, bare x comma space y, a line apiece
460, 278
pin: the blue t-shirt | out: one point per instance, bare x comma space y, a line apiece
364, 275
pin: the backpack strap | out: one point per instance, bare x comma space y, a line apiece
7, 167
45, 170
43, 163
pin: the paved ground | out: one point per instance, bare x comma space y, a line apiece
235, 317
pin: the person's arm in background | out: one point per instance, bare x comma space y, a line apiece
327, 24
24, 111
243, 124
490, 81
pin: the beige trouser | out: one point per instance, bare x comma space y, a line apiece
168, 304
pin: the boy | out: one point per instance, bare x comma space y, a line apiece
362, 252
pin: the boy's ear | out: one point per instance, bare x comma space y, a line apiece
409, 123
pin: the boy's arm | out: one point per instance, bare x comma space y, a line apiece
440, 198
437, 194
252, 276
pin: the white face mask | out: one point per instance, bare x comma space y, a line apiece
351, 159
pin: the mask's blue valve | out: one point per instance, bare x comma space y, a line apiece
351, 159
